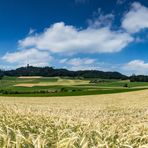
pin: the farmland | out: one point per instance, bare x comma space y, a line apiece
64, 112
64, 86
103, 121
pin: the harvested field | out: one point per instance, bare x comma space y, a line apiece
58, 82
31, 85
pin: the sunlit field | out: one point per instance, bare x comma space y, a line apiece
65, 86
73, 73
96, 121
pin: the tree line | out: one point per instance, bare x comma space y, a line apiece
51, 72
138, 78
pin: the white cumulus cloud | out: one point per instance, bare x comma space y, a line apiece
32, 56
61, 38
136, 19
136, 67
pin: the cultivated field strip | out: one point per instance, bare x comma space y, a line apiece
97, 121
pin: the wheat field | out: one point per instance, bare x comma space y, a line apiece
97, 121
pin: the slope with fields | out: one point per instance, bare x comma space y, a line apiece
65, 86
103, 121
58, 82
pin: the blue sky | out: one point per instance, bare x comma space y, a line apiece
109, 35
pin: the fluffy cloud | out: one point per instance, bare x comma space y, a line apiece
136, 19
61, 38
31, 56
136, 67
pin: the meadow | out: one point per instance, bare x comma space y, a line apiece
64, 86
96, 121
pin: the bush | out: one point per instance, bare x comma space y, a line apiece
125, 85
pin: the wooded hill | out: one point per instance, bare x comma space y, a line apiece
51, 72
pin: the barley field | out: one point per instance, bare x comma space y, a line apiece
95, 121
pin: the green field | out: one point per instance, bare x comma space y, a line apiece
64, 86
